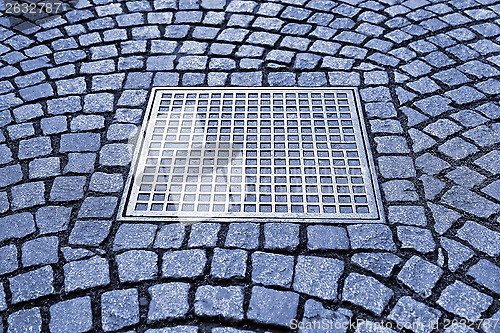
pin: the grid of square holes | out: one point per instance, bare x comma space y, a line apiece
253, 153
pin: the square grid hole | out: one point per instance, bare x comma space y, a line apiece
233, 154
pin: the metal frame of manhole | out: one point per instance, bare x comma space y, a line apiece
253, 154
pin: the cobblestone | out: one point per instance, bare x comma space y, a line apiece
420, 275
227, 264
137, 265
168, 300
120, 308
366, 292
272, 307
32, 285
84, 274
74, 315
272, 269
219, 301
89, 232
464, 301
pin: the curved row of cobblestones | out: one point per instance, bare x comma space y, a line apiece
73, 91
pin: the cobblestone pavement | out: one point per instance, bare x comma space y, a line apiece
73, 92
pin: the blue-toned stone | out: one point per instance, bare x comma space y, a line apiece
32, 285
84, 274
103, 207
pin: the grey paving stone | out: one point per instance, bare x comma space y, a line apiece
408, 215
84, 274
375, 236
272, 269
32, 285
34, 147
119, 132
490, 110
463, 199
29, 320
132, 98
108, 81
98, 67
465, 177
457, 253
86, 123
480, 237
130, 115
484, 135
54, 125
464, 301
320, 237
367, 292
137, 265
28, 195
5, 154
227, 264
67, 188
10, 175
219, 301
184, 263
63, 105
344, 78
493, 190
457, 148
71, 86
422, 317
378, 263
396, 167
168, 300
71, 316
295, 43
246, 79
19, 131
71, 254
486, 274
272, 307
36, 92
312, 79
281, 236
89, 232
131, 236
115, 154
244, 235
193, 79
16, 226
119, 308
51, 219
464, 95
430, 164
80, 142
40, 251
315, 312
469, 118
170, 236
399, 190
98, 103
443, 217
317, 276
4, 202
478, 69
420, 275
80, 163
415, 238
106, 183
202, 235
217, 79
432, 186
380, 110
391, 145
8, 256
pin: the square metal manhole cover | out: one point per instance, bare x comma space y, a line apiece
240, 154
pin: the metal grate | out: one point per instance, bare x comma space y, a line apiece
239, 154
